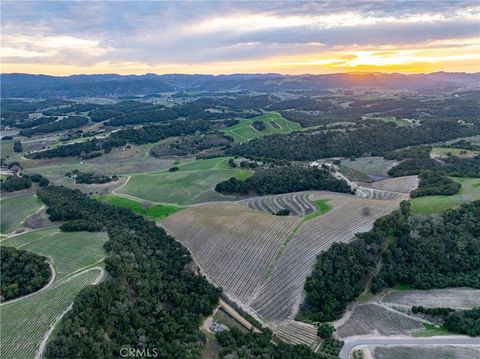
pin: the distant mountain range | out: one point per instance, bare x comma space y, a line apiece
32, 86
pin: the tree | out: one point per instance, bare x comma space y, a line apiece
17, 147
325, 330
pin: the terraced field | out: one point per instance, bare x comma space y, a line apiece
16, 209
370, 318
458, 298
297, 203
261, 260
77, 260
274, 123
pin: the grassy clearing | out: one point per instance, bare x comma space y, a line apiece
322, 207
153, 211
445, 151
274, 123
192, 182
375, 168
6, 148
14, 210
432, 330
68, 251
392, 119
470, 191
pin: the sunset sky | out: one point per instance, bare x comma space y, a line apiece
63, 37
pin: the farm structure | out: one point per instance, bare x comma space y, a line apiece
262, 261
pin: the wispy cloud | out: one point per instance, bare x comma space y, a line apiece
223, 37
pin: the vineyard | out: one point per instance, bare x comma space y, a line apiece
426, 352
262, 261
404, 184
370, 318
297, 203
25, 322
458, 298
75, 257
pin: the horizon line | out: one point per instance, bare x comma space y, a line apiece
243, 73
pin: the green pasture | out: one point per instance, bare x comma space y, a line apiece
470, 191
244, 131
457, 152
193, 182
322, 207
153, 211
14, 210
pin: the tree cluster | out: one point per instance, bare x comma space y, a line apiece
22, 273
433, 183
283, 180
149, 298
64, 124
89, 177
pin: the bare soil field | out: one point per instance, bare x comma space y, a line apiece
369, 319
404, 184
426, 352
457, 298
261, 260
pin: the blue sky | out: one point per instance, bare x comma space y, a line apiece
65, 37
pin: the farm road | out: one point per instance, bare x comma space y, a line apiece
386, 341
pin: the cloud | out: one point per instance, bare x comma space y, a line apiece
183, 34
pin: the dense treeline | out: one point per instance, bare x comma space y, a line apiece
283, 180
22, 273
424, 252
240, 102
90, 177
17, 183
458, 321
192, 144
235, 344
306, 119
373, 138
35, 122
342, 272
434, 253
146, 134
150, 299
433, 183
464, 322
64, 124
450, 166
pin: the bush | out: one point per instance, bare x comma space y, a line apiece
325, 331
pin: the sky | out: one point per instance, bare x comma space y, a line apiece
210, 37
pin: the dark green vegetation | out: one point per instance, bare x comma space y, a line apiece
17, 183
259, 125
147, 285
457, 321
422, 252
325, 330
236, 344
36, 122
22, 273
17, 147
369, 139
283, 180
64, 124
146, 209
417, 159
89, 177
433, 183
193, 144
143, 135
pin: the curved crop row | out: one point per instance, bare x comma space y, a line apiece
296, 202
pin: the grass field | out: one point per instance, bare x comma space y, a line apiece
392, 119
322, 207
68, 251
14, 210
444, 151
193, 182
244, 131
6, 148
153, 211
470, 191
26, 321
